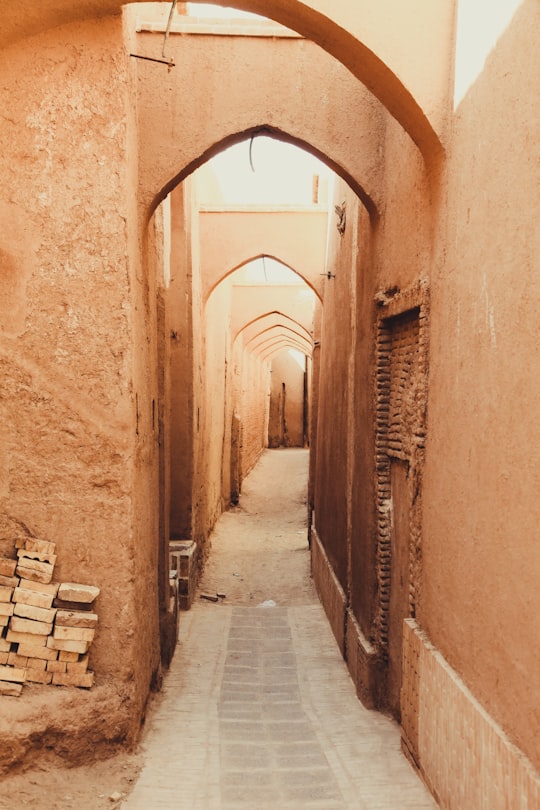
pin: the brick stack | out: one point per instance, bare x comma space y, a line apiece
46, 628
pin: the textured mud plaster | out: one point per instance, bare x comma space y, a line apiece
66, 401
481, 548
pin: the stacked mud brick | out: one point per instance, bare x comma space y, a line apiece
46, 628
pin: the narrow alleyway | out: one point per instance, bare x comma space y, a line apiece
258, 710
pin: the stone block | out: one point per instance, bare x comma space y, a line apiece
72, 618
15, 674
75, 592
28, 597
7, 567
67, 644
10, 689
74, 633
39, 614
84, 679
30, 626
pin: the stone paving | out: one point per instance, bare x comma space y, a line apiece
258, 711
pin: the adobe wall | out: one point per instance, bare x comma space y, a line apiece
324, 122
215, 415
353, 502
286, 417
374, 43
179, 302
78, 443
481, 605
297, 238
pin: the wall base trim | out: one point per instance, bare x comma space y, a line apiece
360, 655
464, 756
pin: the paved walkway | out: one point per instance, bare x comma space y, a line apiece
258, 712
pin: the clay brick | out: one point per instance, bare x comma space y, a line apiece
23, 555
74, 633
16, 660
63, 604
38, 676
67, 644
69, 657
43, 653
80, 666
5, 593
6, 608
5, 646
72, 618
10, 689
4, 657
4, 621
9, 582
30, 626
33, 544
56, 666
37, 613
35, 571
15, 674
84, 680
29, 575
7, 567
50, 588
36, 663
29, 597
75, 592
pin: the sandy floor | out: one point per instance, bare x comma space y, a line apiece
250, 564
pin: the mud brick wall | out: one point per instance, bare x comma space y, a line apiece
47, 627
401, 405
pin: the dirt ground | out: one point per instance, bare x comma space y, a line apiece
259, 553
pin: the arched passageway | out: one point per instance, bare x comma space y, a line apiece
403, 511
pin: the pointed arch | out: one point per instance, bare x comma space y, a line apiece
283, 319
262, 255
270, 132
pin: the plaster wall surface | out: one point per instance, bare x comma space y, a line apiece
296, 238
254, 410
69, 295
220, 70
481, 602
179, 305
287, 402
334, 420
411, 76
253, 301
